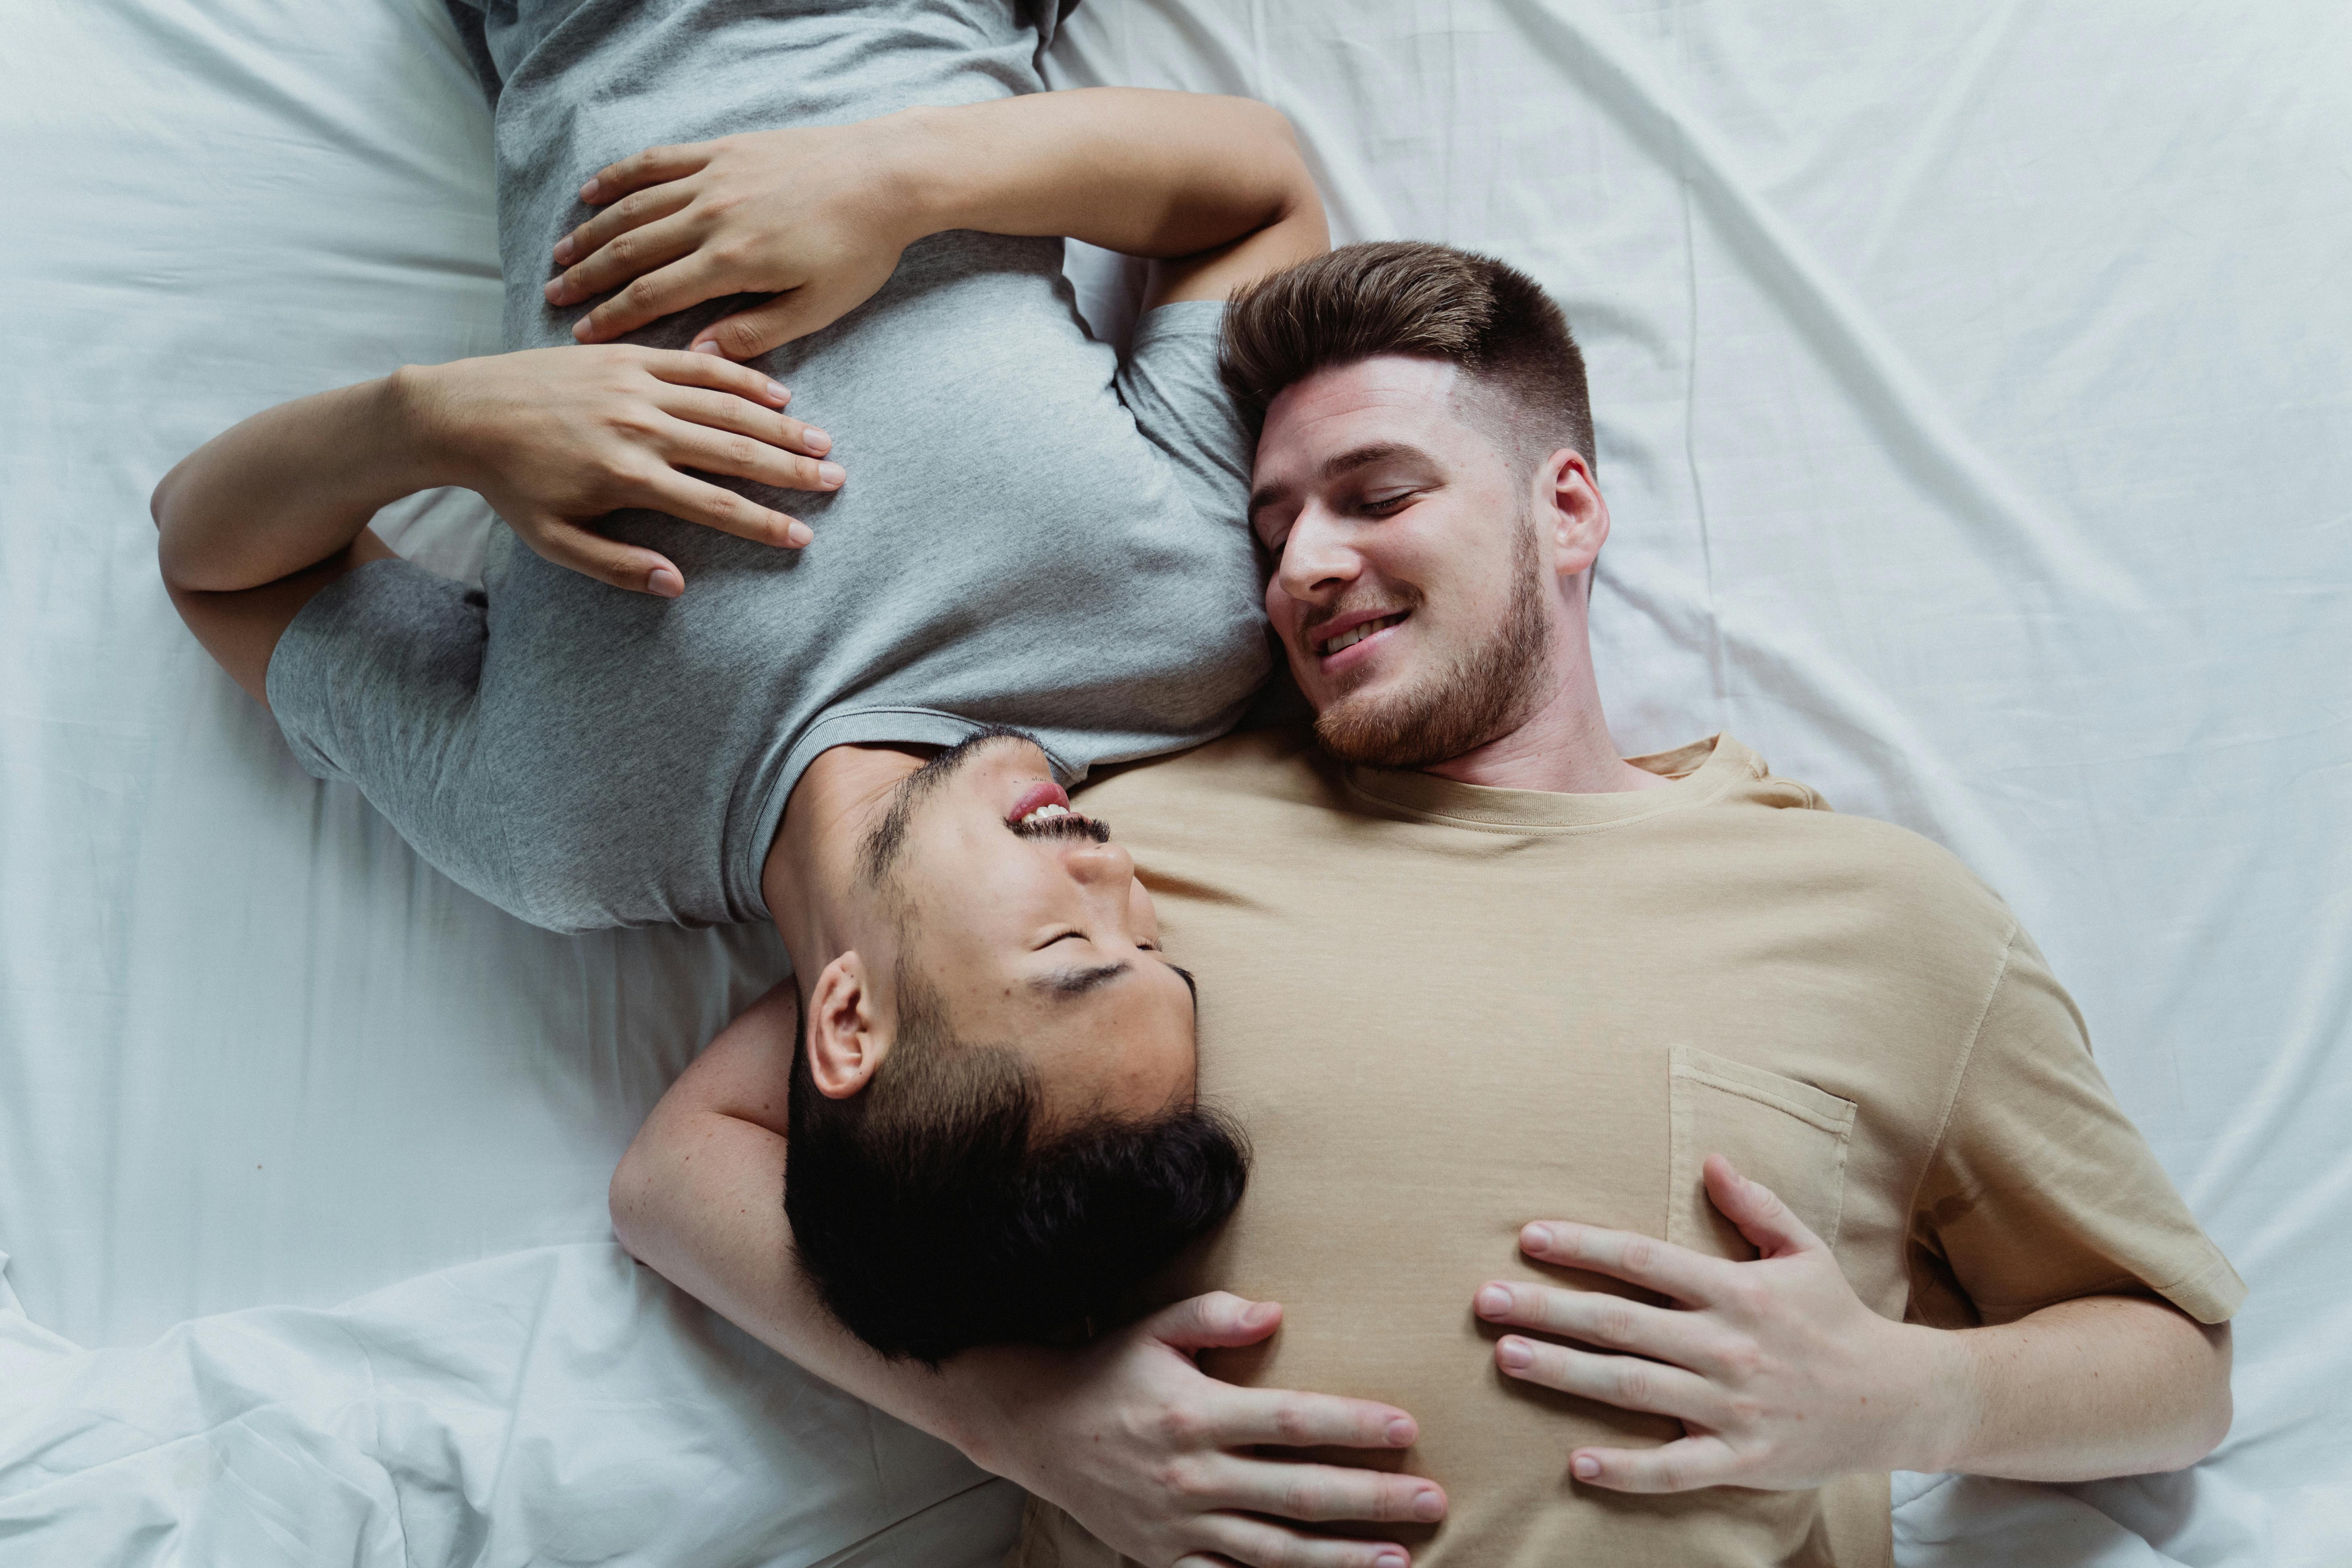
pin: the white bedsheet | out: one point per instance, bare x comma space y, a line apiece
1974, 406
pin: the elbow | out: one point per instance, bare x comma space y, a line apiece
2218, 1407
2205, 1423
628, 1194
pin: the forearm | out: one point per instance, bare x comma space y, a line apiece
287, 488
2106, 1385
1146, 173
700, 1200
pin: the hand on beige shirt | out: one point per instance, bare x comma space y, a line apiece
1162, 1461
1783, 1379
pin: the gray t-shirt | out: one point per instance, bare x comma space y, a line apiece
1033, 534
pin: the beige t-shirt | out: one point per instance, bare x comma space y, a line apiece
1442, 1011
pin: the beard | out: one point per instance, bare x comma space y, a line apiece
1480, 693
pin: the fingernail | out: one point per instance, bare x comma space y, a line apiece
563, 251
666, 582
1259, 1312
592, 190
581, 328
1493, 1301
777, 390
553, 290
1428, 1506
1401, 1433
1535, 1239
818, 441
1390, 1560
706, 346
1515, 1354
832, 473
1586, 1467
799, 534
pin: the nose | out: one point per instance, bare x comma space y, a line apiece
1317, 562
1105, 865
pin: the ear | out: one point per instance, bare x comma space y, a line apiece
846, 1044
1570, 509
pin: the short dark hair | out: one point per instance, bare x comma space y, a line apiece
1424, 301
935, 1210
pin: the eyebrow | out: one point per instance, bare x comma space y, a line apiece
1346, 462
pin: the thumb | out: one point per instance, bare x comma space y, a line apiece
1219, 1320
746, 334
1773, 1226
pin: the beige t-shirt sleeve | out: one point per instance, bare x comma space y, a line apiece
2039, 1188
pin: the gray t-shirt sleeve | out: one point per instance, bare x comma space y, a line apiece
375, 683
1169, 382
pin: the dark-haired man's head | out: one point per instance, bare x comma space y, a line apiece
992, 1133
1424, 490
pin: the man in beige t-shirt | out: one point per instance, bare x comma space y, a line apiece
1648, 1159
1464, 969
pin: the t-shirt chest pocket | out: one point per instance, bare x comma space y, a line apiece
1788, 1135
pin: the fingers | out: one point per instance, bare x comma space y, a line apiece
1598, 1318
697, 501
1645, 1260
607, 261
1773, 1226
695, 446
1684, 1464
629, 566
726, 411
1288, 1419
1627, 1382
684, 369
1320, 1492
689, 281
651, 166
1254, 1543
1219, 1320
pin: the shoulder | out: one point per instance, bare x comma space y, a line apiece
1905, 882
1271, 766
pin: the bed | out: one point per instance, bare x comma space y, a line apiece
1974, 390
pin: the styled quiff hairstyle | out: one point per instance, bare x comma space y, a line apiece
1424, 301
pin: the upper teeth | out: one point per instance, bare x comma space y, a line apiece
1358, 633
1046, 813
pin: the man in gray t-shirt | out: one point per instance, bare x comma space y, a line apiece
1038, 549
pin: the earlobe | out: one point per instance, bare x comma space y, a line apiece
844, 1045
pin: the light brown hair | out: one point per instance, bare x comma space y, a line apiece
1424, 301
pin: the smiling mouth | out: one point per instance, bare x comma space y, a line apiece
1358, 633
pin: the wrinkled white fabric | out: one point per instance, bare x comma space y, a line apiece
1975, 410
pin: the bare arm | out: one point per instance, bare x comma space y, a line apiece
1782, 1377
1128, 1434
257, 520
1213, 188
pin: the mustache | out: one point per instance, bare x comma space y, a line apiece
1071, 826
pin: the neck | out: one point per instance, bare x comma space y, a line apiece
811, 873
1563, 748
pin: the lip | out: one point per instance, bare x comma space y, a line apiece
1046, 793
1339, 626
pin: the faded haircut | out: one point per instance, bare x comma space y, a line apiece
937, 1210
1522, 371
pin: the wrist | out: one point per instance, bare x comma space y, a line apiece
416, 438
1944, 1405
910, 168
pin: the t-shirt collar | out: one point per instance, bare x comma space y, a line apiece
1696, 773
